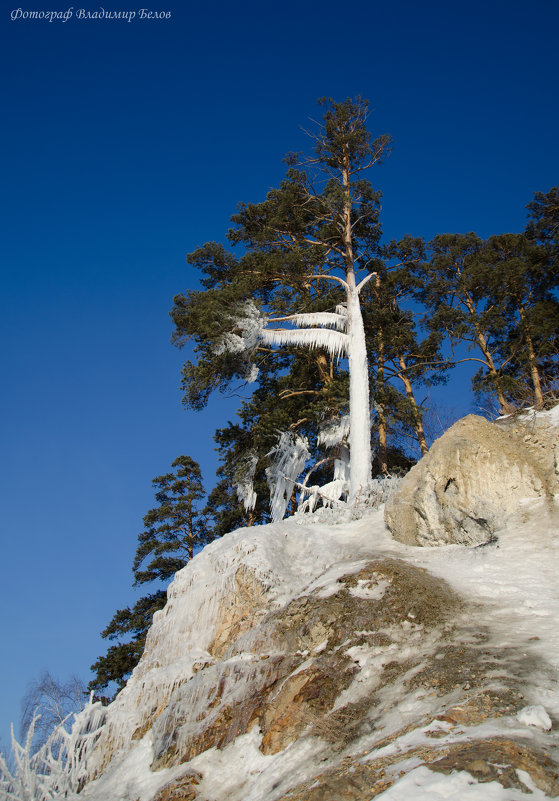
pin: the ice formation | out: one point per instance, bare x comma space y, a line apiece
244, 478
337, 319
341, 334
289, 458
334, 431
335, 342
61, 766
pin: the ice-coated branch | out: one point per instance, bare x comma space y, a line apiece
363, 282
328, 278
60, 766
249, 321
327, 319
335, 342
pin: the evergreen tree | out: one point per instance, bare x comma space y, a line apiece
455, 284
499, 298
400, 360
174, 529
543, 221
520, 276
311, 236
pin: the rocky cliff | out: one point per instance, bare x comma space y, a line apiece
321, 659
474, 478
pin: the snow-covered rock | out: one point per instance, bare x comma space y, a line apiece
320, 659
473, 479
306, 662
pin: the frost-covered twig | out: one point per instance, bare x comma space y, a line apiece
60, 766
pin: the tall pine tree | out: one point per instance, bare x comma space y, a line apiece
307, 246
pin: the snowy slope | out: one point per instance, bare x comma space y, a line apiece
512, 585
319, 659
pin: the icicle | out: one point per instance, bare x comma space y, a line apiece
290, 455
252, 374
244, 478
334, 431
335, 342
326, 319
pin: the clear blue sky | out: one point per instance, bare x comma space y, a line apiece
125, 146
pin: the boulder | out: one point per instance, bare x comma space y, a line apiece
474, 477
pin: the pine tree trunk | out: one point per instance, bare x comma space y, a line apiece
504, 405
325, 369
359, 408
534, 372
381, 411
382, 447
417, 422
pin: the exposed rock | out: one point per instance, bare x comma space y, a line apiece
474, 477
287, 672
305, 662
540, 434
243, 606
499, 760
181, 789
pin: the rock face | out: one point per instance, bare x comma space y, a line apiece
473, 478
326, 661
319, 663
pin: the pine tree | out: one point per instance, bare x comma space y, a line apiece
455, 291
174, 530
312, 236
520, 276
499, 298
543, 221
401, 360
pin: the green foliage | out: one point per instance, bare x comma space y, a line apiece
499, 297
175, 527
543, 222
521, 279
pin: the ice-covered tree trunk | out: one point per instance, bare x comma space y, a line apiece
359, 410
359, 413
348, 340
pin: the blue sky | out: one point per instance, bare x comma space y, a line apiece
127, 145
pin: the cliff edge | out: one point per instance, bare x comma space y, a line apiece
321, 659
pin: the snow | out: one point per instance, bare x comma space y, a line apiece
130, 778
549, 416
365, 589
535, 715
240, 772
515, 580
512, 585
422, 784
